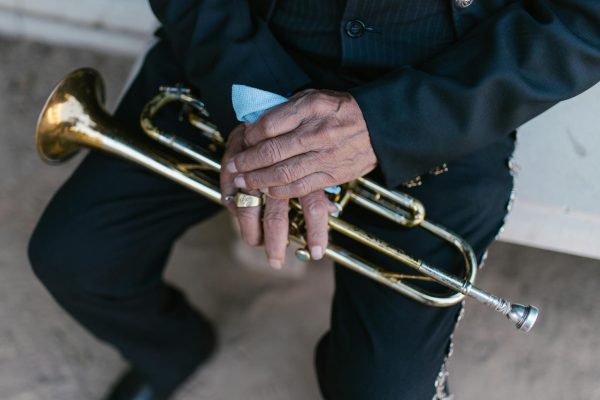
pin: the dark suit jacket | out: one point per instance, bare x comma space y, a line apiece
511, 60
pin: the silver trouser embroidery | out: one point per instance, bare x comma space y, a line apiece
441, 382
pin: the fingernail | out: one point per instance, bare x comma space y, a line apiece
240, 182
231, 167
265, 190
275, 263
316, 252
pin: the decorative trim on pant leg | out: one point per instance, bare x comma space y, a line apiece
441, 382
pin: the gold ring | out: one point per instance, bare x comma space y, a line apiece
243, 200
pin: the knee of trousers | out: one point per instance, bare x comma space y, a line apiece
60, 256
42, 250
386, 377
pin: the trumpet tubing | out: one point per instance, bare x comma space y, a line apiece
74, 117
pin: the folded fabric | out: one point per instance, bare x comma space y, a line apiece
249, 103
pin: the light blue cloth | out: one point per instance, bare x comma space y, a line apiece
250, 103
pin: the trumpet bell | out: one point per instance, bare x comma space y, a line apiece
66, 112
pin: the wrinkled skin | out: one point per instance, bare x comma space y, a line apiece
317, 139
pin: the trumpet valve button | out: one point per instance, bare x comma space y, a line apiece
303, 255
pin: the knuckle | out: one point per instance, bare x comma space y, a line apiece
304, 140
335, 177
309, 139
315, 208
245, 141
302, 187
313, 95
292, 108
269, 151
326, 101
315, 106
266, 126
251, 241
308, 99
245, 216
283, 173
274, 220
325, 131
253, 180
309, 91
318, 137
279, 192
241, 163
304, 95
325, 160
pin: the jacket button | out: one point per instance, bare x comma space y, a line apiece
464, 3
355, 28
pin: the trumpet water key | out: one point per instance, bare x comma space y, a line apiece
74, 117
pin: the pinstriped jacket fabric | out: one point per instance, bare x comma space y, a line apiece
435, 80
397, 33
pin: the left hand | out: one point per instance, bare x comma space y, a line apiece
317, 139
272, 228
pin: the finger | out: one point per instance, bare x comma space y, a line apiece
228, 190
248, 218
315, 207
282, 173
274, 122
304, 139
228, 199
226, 179
302, 187
275, 227
250, 225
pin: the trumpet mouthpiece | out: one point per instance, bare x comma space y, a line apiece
524, 317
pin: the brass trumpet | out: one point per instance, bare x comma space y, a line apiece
74, 117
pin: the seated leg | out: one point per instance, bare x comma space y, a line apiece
103, 241
382, 345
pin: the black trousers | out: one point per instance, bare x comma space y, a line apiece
119, 223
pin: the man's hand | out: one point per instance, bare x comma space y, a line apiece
317, 139
248, 218
273, 229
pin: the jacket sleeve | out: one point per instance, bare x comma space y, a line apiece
219, 43
511, 67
